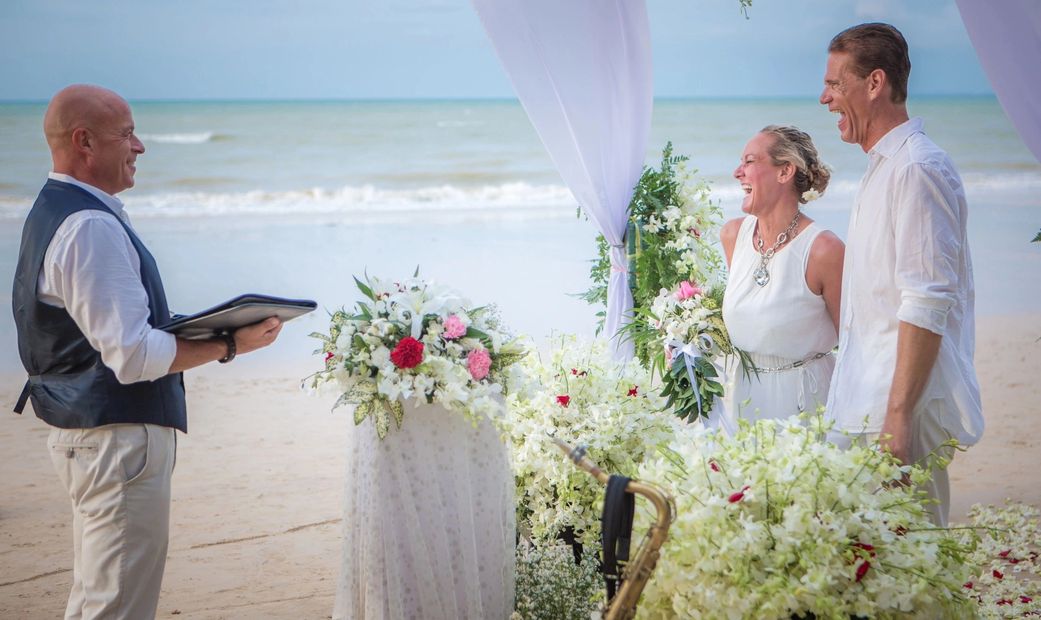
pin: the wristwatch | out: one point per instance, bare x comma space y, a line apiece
229, 339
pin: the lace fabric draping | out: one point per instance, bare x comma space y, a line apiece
582, 71
428, 522
1007, 38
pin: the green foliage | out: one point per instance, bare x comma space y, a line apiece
1037, 239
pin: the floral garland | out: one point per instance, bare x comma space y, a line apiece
775, 523
585, 398
415, 339
1006, 560
674, 257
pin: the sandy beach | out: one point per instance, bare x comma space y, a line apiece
258, 484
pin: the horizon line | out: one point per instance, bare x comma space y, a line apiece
664, 98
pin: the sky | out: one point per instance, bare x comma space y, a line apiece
394, 49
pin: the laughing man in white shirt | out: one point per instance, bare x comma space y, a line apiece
905, 371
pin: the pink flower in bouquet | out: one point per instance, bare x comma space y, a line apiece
740, 495
862, 570
454, 328
408, 353
563, 400
479, 362
686, 291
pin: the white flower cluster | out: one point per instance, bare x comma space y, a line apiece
415, 339
583, 397
689, 228
551, 586
775, 523
695, 318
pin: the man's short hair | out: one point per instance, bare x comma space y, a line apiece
876, 46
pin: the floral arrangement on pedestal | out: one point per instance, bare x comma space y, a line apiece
582, 396
676, 279
415, 339
775, 523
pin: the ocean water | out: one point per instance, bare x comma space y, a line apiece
292, 198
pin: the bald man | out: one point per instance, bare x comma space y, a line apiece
87, 297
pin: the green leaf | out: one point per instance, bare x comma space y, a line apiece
320, 336
364, 288
382, 423
362, 411
397, 409
1037, 239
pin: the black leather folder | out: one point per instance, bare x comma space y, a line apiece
235, 313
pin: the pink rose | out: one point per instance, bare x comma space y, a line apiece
479, 362
454, 328
686, 291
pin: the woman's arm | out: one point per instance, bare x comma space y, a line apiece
824, 271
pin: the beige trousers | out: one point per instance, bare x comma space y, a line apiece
118, 478
927, 435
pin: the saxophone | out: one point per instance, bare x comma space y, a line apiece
638, 570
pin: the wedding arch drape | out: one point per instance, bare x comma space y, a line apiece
1007, 38
582, 71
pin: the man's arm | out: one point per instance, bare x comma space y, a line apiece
928, 241
193, 353
916, 352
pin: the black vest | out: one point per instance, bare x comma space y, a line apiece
69, 385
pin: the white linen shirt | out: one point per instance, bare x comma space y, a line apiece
93, 271
907, 260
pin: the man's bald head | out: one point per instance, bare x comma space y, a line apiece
78, 106
90, 132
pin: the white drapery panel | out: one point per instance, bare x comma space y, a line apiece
1007, 38
582, 71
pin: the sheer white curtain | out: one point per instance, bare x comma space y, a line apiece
1007, 38
582, 71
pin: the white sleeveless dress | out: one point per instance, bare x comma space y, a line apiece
785, 328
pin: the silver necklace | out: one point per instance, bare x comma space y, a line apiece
762, 275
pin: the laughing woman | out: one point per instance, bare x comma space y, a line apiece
785, 276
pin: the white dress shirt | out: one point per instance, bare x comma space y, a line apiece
93, 271
907, 260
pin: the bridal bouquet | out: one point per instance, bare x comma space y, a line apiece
775, 523
584, 397
415, 339
684, 329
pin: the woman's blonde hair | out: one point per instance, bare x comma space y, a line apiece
794, 146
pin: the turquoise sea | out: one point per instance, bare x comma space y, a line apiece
292, 198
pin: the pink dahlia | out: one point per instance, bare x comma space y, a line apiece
454, 328
686, 290
479, 362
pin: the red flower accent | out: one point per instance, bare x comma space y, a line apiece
408, 353
1025, 599
967, 585
328, 356
862, 570
740, 495
1004, 601
574, 371
578, 373
1004, 554
998, 574
564, 400
866, 547
632, 391
713, 466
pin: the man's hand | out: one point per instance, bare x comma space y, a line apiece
916, 351
896, 437
257, 336
193, 353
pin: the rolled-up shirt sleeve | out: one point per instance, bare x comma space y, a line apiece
928, 244
94, 269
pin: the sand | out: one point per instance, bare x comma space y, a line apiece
258, 484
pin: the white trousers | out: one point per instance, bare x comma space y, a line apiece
118, 479
927, 435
